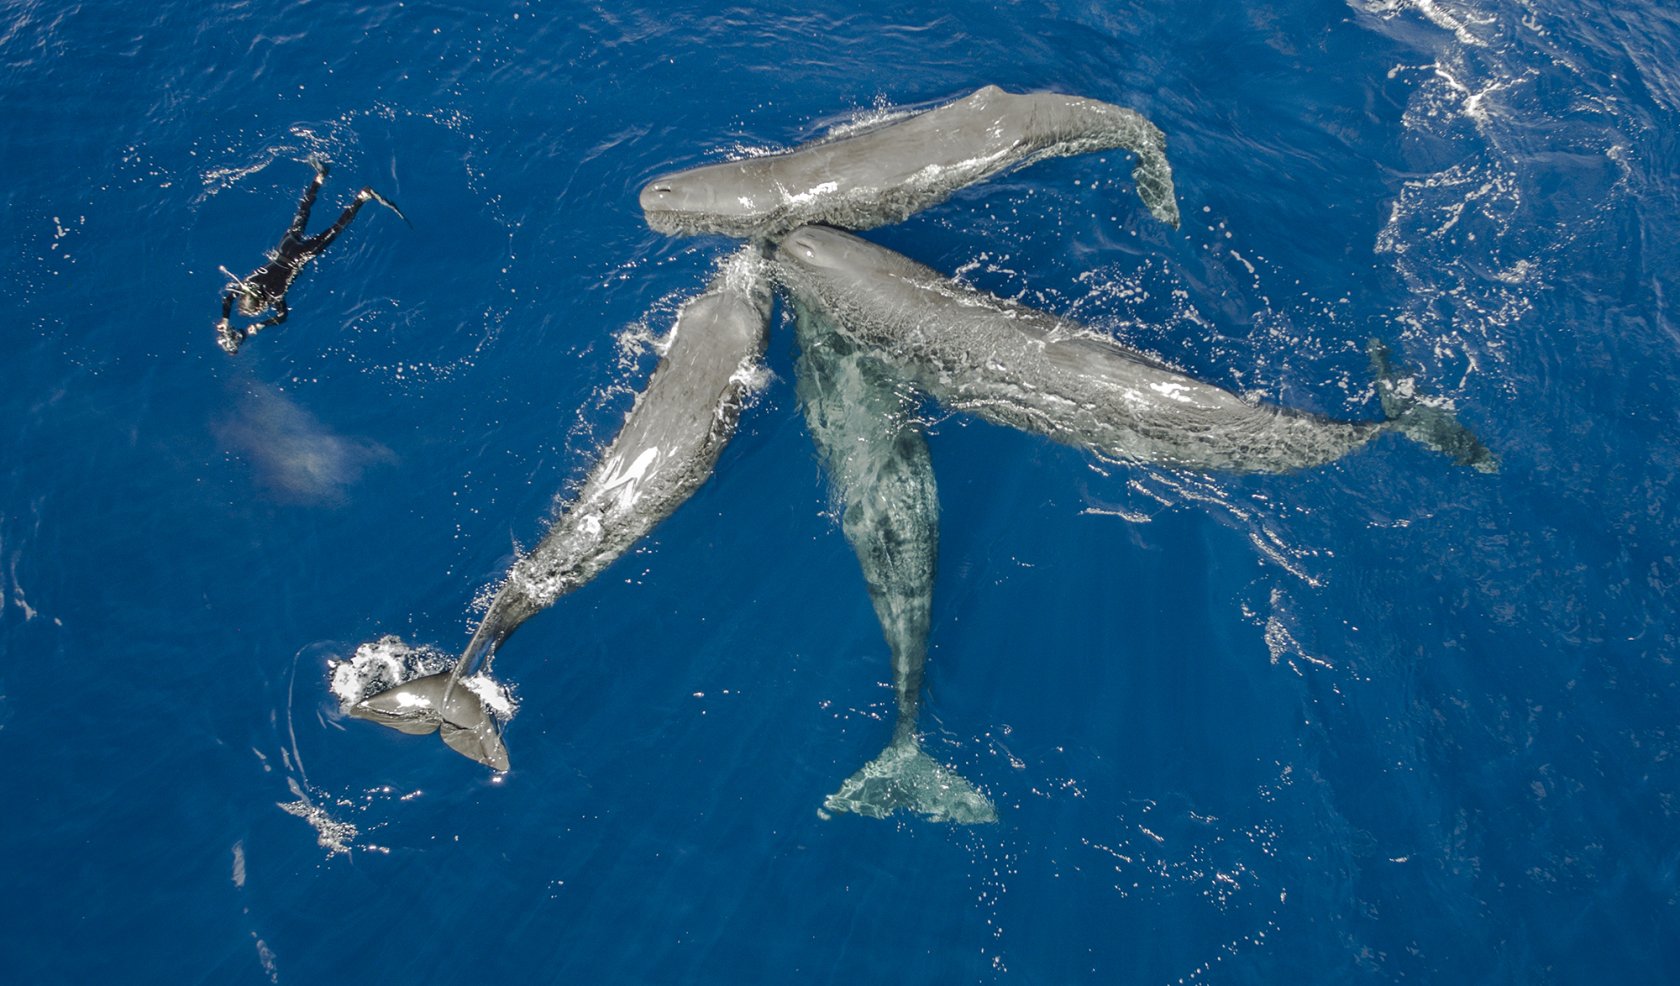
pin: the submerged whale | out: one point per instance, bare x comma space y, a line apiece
885, 173
882, 480
1018, 366
667, 448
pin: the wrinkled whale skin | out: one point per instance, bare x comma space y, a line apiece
667, 448
1018, 366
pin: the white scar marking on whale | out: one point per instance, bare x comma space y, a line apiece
630, 478
1173, 391
800, 198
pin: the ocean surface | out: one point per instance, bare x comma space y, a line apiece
1386, 720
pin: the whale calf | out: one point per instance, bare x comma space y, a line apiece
1018, 366
882, 479
885, 173
670, 441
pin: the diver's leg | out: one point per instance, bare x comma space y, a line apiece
315, 244
308, 201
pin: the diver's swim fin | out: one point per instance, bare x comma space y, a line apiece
1428, 424
387, 203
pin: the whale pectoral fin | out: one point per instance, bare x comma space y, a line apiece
904, 776
1430, 425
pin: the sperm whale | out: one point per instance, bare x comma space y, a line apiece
667, 448
1014, 365
885, 173
882, 480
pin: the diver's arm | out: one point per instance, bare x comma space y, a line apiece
227, 336
280, 313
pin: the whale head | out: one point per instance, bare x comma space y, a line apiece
825, 250
816, 247
717, 198
676, 193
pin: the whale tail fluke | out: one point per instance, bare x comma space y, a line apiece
1152, 173
904, 776
1153, 176
444, 704
1427, 421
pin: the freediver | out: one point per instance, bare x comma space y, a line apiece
266, 287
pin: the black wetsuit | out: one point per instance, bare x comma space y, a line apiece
266, 287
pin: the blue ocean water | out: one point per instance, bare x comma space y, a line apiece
1386, 720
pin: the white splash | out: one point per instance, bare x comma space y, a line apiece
1447, 230
497, 699
331, 834
382, 664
